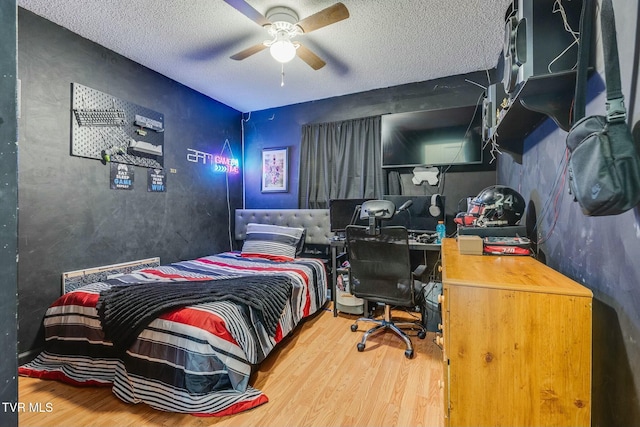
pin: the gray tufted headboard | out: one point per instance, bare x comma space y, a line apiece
315, 221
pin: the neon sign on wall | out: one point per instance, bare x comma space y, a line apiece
219, 162
226, 164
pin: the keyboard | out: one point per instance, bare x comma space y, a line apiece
112, 117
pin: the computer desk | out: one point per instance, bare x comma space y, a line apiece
337, 244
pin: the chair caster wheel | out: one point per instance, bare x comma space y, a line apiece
408, 354
354, 328
422, 335
360, 347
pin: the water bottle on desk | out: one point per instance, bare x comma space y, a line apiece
441, 231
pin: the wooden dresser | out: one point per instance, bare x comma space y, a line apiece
516, 340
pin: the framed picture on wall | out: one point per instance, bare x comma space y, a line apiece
275, 170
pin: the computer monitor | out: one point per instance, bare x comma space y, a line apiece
342, 212
418, 217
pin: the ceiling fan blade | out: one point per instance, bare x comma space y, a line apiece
248, 52
245, 8
310, 58
325, 17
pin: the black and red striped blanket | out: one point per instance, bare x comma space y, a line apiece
125, 310
194, 359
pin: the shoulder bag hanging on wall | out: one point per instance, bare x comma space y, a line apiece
604, 166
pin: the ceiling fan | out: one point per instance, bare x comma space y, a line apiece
283, 24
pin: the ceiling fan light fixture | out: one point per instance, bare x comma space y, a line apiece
284, 25
283, 50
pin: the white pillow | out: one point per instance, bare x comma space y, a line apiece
273, 242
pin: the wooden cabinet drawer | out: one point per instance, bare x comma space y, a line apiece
517, 342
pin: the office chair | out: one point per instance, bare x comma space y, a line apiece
380, 270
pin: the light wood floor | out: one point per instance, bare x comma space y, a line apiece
316, 377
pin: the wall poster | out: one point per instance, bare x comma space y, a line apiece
121, 176
156, 180
275, 170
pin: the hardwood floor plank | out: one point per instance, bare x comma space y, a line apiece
315, 378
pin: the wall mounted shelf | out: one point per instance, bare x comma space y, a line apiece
548, 95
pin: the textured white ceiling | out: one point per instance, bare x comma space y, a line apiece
383, 43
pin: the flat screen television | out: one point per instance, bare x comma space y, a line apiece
416, 218
342, 212
431, 138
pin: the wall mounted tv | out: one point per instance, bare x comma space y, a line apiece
431, 138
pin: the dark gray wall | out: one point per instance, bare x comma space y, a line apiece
599, 252
279, 127
69, 218
8, 211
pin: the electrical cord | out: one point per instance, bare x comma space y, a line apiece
226, 175
466, 132
553, 202
242, 122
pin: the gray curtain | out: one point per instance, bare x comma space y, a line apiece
340, 160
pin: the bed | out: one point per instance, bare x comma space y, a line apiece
185, 337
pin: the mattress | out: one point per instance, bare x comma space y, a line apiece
194, 359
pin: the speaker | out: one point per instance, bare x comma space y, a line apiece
537, 42
434, 207
488, 118
491, 108
515, 52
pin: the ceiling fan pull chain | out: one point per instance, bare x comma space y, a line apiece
282, 76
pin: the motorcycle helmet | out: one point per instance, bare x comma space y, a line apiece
497, 205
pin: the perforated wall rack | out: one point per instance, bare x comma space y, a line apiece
101, 122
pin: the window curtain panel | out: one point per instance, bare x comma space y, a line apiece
340, 160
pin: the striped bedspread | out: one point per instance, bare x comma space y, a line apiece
196, 359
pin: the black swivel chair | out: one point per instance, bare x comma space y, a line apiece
380, 270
